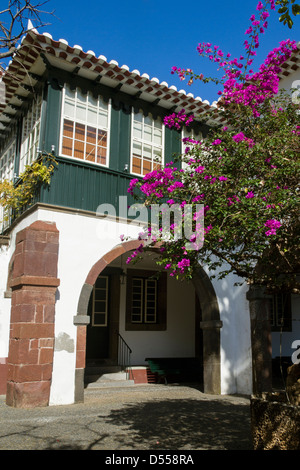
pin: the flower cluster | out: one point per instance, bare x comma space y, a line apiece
135, 253
156, 181
250, 89
240, 137
132, 185
272, 224
261, 85
178, 120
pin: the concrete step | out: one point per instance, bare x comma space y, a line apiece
105, 375
94, 386
100, 370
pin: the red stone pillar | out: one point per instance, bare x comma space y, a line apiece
31, 345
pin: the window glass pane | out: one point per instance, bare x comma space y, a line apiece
79, 149
157, 136
67, 147
70, 93
103, 105
137, 130
100, 306
91, 133
92, 116
137, 300
102, 119
102, 282
136, 165
147, 152
93, 102
68, 128
148, 120
157, 155
138, 117
102, 138
81, 98
101, 158
79, 131
137, 149
148, 133
80, 113
99, 319
90, 152
69, 109
147, 167
150, 301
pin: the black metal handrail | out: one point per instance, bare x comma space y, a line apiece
124, 353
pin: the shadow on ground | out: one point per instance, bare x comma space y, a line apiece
131, 423
184, 424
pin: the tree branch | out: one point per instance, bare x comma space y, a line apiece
14, 23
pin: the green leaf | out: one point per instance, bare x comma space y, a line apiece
296, 9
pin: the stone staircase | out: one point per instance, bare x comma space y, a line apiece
104, 375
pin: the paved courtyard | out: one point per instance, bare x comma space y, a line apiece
152, 417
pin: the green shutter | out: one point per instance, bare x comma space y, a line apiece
120, 139
51, 125
172, 144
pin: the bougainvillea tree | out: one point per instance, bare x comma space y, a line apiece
244, 175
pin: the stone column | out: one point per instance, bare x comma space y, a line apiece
81, 320
210, 325
34, 284
260, 340
211, 356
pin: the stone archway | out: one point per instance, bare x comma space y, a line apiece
210, 323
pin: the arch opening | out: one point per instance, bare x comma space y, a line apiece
152, 332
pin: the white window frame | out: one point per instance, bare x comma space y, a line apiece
7, 162
191, 134
145, 142
94, 311
87, 124
31, 133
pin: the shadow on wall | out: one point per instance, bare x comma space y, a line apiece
235, 336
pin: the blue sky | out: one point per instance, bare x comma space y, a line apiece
152, 36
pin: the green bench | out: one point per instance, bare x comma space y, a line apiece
175, 368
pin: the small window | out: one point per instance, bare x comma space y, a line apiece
280, 312
85, 127
147, 144
100, 302
146, 300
